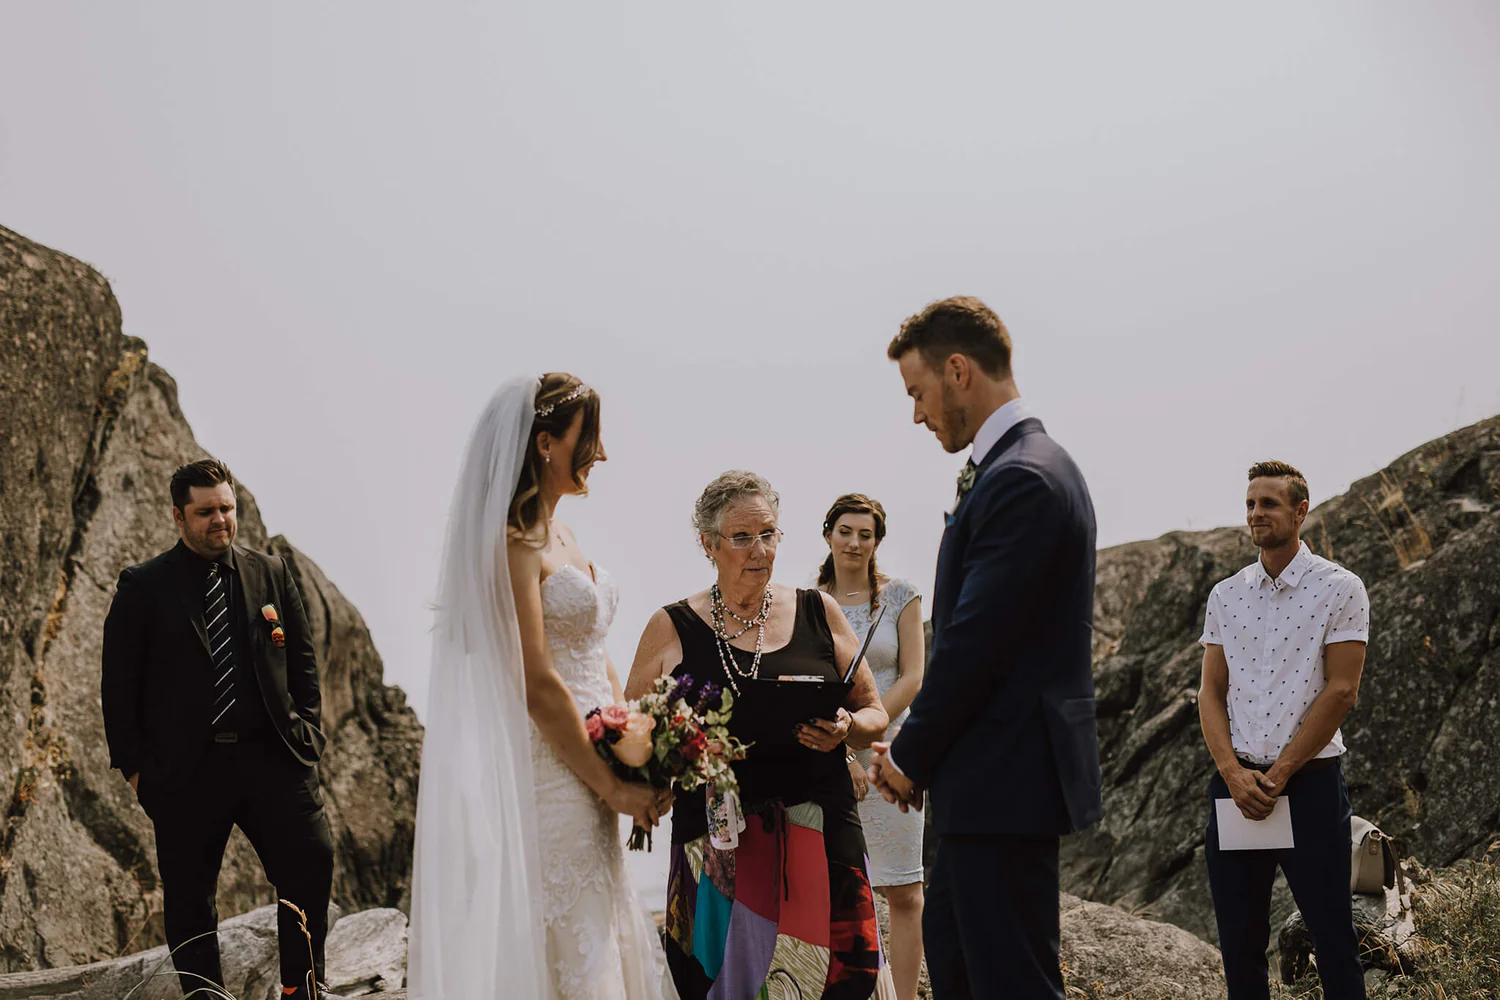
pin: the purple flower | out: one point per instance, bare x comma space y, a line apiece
710, 692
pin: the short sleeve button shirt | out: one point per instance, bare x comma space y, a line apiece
1273, 632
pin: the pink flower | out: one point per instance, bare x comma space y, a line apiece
615, 716
635, 746
594, 726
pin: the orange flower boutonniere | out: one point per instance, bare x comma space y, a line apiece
278, 635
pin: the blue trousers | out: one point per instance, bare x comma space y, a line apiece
991, 920
1317, 871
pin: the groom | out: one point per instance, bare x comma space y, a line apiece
211, 710
1001, 736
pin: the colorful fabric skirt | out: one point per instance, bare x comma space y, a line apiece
787, 915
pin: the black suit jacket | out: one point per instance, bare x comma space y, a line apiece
1002, 733
157, 686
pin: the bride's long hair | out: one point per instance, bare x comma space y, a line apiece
525, 517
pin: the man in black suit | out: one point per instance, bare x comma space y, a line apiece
211, 709
1001, 737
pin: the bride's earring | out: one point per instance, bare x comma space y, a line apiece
548, 457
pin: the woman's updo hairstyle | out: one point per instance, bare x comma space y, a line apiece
559, 399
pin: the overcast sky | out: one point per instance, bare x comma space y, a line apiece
1218, 234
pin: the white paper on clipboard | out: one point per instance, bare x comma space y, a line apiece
1236, 833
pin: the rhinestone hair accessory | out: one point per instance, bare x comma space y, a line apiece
543, 411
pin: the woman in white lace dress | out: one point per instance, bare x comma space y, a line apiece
519, 887
853, 528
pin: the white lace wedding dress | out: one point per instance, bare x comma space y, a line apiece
600, 943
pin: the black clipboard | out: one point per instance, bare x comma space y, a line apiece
787, 703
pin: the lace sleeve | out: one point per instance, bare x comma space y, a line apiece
898, 594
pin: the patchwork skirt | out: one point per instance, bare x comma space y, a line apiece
789, 914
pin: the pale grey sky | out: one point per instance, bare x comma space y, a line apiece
1217, 233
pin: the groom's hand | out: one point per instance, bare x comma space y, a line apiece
894, 786
135, 782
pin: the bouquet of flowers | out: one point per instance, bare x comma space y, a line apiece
659, 738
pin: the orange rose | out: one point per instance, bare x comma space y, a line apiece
634, 747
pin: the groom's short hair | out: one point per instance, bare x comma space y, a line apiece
958, 325
205, 472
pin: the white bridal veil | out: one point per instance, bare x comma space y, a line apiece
476, 927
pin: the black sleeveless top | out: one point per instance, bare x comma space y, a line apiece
772, 770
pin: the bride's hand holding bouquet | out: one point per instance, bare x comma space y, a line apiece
659, 739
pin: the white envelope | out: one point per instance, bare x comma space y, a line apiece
1236, 833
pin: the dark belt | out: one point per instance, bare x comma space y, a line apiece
1311, 767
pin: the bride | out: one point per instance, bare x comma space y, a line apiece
519, 886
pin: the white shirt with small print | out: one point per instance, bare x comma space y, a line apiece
1273, 632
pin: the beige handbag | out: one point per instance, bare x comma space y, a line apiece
1372, 868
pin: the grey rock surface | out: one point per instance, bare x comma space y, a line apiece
366, 953
91, 432
1128, 956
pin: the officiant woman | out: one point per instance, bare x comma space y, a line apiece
791, 903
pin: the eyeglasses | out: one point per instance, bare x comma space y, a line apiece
770, 539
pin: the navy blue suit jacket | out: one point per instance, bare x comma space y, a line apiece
1002, 733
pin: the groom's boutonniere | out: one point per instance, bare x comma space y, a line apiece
967, 477
278, 636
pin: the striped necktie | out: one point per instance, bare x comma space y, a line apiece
220, 640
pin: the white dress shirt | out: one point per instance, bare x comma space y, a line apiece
1273, 632
995, 427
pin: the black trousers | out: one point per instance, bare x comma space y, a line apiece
260, 787
991, 922
1317, 871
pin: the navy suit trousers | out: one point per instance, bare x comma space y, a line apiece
1317, 871
990, 925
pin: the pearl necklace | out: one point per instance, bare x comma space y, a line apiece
717, 610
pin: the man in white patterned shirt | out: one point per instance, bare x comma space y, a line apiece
1283, 649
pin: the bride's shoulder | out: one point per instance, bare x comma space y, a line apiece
524, 552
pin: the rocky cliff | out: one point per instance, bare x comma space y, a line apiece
91, 431
1424, 764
